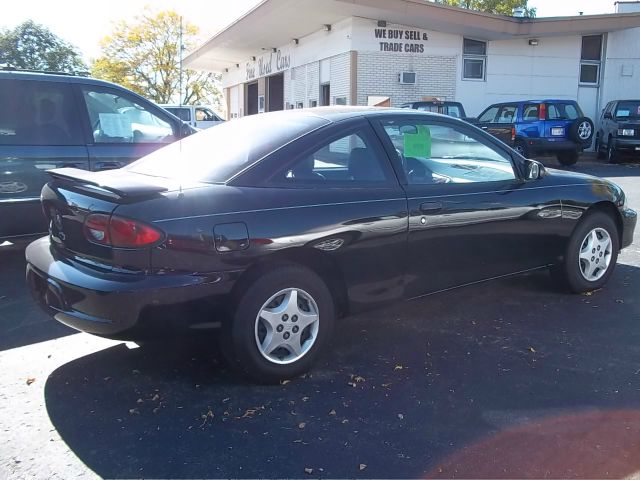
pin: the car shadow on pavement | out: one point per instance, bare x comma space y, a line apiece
22, 322
502, 379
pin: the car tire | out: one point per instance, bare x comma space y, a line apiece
567, 158
522, 148
266, 309
599, 230
612, 154
581, 131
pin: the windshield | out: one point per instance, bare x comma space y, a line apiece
628, 110
217, 154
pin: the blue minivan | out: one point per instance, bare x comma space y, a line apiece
539, 127
50, 121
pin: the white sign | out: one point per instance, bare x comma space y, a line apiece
401, 40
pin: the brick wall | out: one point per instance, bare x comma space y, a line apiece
378, 75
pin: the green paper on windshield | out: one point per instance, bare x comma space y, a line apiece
418, 144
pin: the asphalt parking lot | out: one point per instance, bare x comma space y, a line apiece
503, 379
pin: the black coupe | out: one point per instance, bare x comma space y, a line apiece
274, 226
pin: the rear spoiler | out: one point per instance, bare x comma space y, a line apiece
122, 183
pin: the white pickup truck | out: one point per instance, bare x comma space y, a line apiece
198, 116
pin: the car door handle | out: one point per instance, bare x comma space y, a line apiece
430, 207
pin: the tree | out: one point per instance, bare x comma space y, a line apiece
33, 46
144, 56
501, 7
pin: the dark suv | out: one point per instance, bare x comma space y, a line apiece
535, 127
51, 121
619, 131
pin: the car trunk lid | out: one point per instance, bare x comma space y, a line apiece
73, 195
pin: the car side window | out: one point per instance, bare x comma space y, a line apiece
116, 117
507, 114
352, 159
489, 115
205, 115
531, 113
434, 154
38, 113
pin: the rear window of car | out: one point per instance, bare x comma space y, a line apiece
562, 111
183, 114
217, 154
628, 110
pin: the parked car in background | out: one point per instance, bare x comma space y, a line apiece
540, 127
198, 116
619, 130
445, 107
51, 121
307, 216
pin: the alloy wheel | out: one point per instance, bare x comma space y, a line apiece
595, 254
287, 326
584, 130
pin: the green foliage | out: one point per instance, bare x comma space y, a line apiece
144, 56
500, 7
32, 46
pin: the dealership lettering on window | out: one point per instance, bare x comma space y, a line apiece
401, 40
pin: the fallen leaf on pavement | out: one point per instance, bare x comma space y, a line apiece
398, 367
301, 425
134, 411
332, 412
308, 470
362, 466
284, 382
30, 380
532, 350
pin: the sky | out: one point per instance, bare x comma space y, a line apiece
83, 23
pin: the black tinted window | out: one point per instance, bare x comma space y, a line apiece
183, 114
474, 47
351, 159
591, 47
217, 154
38, 113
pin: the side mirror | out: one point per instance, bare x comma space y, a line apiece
608, 115
535, 170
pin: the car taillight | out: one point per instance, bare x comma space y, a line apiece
542, 112
513, 133
119, 232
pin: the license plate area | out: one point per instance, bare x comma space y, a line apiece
557, 131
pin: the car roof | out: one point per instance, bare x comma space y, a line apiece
338, 113
54, 77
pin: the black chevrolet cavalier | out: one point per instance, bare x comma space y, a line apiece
274, 226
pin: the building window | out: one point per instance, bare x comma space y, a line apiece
474, 59
313, 103
299, 105
341, 100
590, 59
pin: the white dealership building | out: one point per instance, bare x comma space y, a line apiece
305, 53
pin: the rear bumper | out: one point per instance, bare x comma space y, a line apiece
551, 144
115, 305
629, 220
